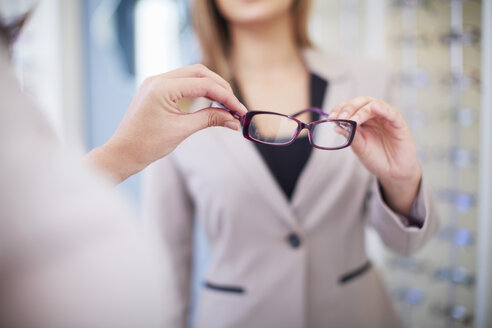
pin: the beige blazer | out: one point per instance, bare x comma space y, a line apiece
275, 262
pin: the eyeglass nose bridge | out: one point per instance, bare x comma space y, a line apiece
301, 126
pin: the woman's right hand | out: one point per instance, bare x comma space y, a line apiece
154, 125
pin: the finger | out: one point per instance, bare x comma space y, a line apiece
358, 143
346, 108
207, 87
388, 113
197, 70
363, 115
375, 109
209, 117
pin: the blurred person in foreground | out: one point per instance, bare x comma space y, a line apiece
71, 254
286, 224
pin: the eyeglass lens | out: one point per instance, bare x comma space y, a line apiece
272, 129
331, 134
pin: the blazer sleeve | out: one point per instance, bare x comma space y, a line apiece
394, 229
168, 214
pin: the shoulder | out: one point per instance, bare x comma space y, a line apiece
337, 66
368, 75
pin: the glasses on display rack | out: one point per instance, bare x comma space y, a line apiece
469, 36
277, 129
440, 101
417, 78
462, 157
458, 236
456, 275
462, 201
456, 313
409, 295
412, 40
459, 157
419, 119
411, 3
430, 5
408, 264
456, 80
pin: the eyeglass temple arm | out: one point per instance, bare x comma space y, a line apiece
310, 109
236, 115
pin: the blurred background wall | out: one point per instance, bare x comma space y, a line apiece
83, 60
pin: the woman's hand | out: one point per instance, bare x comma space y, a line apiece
154, 125
384, 144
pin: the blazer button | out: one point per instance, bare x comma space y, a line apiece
294, 240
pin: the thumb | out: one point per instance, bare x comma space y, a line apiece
209, 117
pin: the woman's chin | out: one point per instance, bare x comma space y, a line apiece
252, 19
254, 12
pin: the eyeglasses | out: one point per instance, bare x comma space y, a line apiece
458, 236
465, 117
409, 295
462, 201
277, 129
410, 265
453, 312
419, 78
456, 275
470, 36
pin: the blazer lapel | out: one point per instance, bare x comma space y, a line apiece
257, 175
341, 86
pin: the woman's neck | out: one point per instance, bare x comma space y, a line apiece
265, 48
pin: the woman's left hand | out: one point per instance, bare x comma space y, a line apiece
384, 144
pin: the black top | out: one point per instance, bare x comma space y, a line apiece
287, 162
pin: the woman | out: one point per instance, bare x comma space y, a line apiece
286, 224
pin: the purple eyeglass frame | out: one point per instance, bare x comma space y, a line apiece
246, 119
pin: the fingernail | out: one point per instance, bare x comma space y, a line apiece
232, 125
332, 115
355, 118
343, 116
244, 107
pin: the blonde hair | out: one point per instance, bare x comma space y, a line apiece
213, 33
